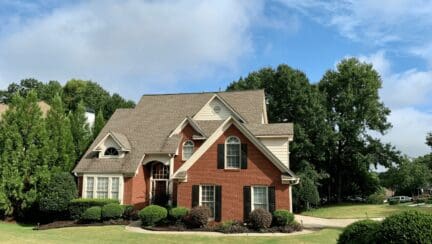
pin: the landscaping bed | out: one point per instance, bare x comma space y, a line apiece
74, 223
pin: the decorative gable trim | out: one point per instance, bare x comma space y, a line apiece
123, 146
183, 124
224, 103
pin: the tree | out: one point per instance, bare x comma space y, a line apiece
429, 139
63, 154
98, 124
24, 154
50, 90
354, 110
80, 130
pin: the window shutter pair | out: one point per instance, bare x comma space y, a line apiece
218, 200
221, 156
247, 203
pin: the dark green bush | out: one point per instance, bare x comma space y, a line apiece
260, 219
360, 232
282, 217
92, 214
420, 200
178, 213
406, 227
393, 201
198, 217
232, 226
78, 206
377, 197
429, 201
129, 212
112, 211
56, 196
152, 214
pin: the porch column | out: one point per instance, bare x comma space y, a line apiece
170, 181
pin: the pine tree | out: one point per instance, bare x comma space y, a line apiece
80, 130
98, 124
24, 154
62, 153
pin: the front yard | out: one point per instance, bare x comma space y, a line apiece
14, 233
354, 211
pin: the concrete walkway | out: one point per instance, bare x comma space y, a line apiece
313, 222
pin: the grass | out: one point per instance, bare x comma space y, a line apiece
351, 211
14, 233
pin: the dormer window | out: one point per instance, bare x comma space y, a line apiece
188, 148
111, 151
232, 152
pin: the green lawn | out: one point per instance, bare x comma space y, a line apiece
13, 233
348, 211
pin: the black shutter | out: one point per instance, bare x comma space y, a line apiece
244, 156
271, 199
218, 203
221, 156
246, 202
195, 195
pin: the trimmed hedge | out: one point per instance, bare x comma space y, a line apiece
152, 214
56, 196
360, 232
260, 219
406, 227
178, 213
92, 214
282, 217
198, 216
112, 211
78, 206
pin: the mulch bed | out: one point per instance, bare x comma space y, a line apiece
72, 223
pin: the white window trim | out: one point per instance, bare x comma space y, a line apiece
253, 200
110, 176
193, 147
214, 199
226, 153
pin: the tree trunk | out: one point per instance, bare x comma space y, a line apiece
339, 186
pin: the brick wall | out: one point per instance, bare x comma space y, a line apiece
135, 188
186, 134
260, 171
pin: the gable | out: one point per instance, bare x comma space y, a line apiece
213, 110
110, 141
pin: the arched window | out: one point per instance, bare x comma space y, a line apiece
188, 148
232, 152
111, 151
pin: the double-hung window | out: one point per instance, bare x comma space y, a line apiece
89, 187
103, 187
188, 148
233, 152
259, 197
207, 197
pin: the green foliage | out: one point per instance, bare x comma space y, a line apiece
429, 139
282, 217
360, 232
112, 211
98, 124
406, 227
178, 213
80, 130
260, 219
232, 226
393, 201
129, 212
55, 198
198, 216
377, 197
152, 214
91, 214
78, 206
24, 154
305, 194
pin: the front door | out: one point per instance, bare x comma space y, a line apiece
160, 196
160, 177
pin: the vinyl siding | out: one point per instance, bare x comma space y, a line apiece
279, 147
207, 112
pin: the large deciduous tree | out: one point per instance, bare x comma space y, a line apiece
429, 139
98, 124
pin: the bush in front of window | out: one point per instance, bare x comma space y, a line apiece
198, 217
92, 214
260, 219
282, 217
55, 198
78, 206
112, 211
152, 214
177, 214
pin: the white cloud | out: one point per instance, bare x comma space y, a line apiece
112, 41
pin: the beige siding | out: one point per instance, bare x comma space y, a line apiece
208, 113
107, 143
279, 147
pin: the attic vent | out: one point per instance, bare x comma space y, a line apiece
217, 109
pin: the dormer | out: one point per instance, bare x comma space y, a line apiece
113, 145
217, 109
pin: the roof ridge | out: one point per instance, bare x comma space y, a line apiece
198, 93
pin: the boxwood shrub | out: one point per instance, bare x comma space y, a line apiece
260, 219
152, 214
360, 232
406, 227
91, 214
178, 213
78, 206
112, 211
282, 217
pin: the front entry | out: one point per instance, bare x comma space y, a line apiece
159, 179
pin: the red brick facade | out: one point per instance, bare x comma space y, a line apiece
136, 189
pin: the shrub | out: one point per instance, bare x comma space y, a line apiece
282, 217
377, 197
429, 201
198, 216
232, 226
152, 214
420, 200
260, 219
92, 214
78, 206
129, 212
406, 227
56, 196
393, 201
112, 211
178, 213
361, 232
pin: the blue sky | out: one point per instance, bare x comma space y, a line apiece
138, 47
